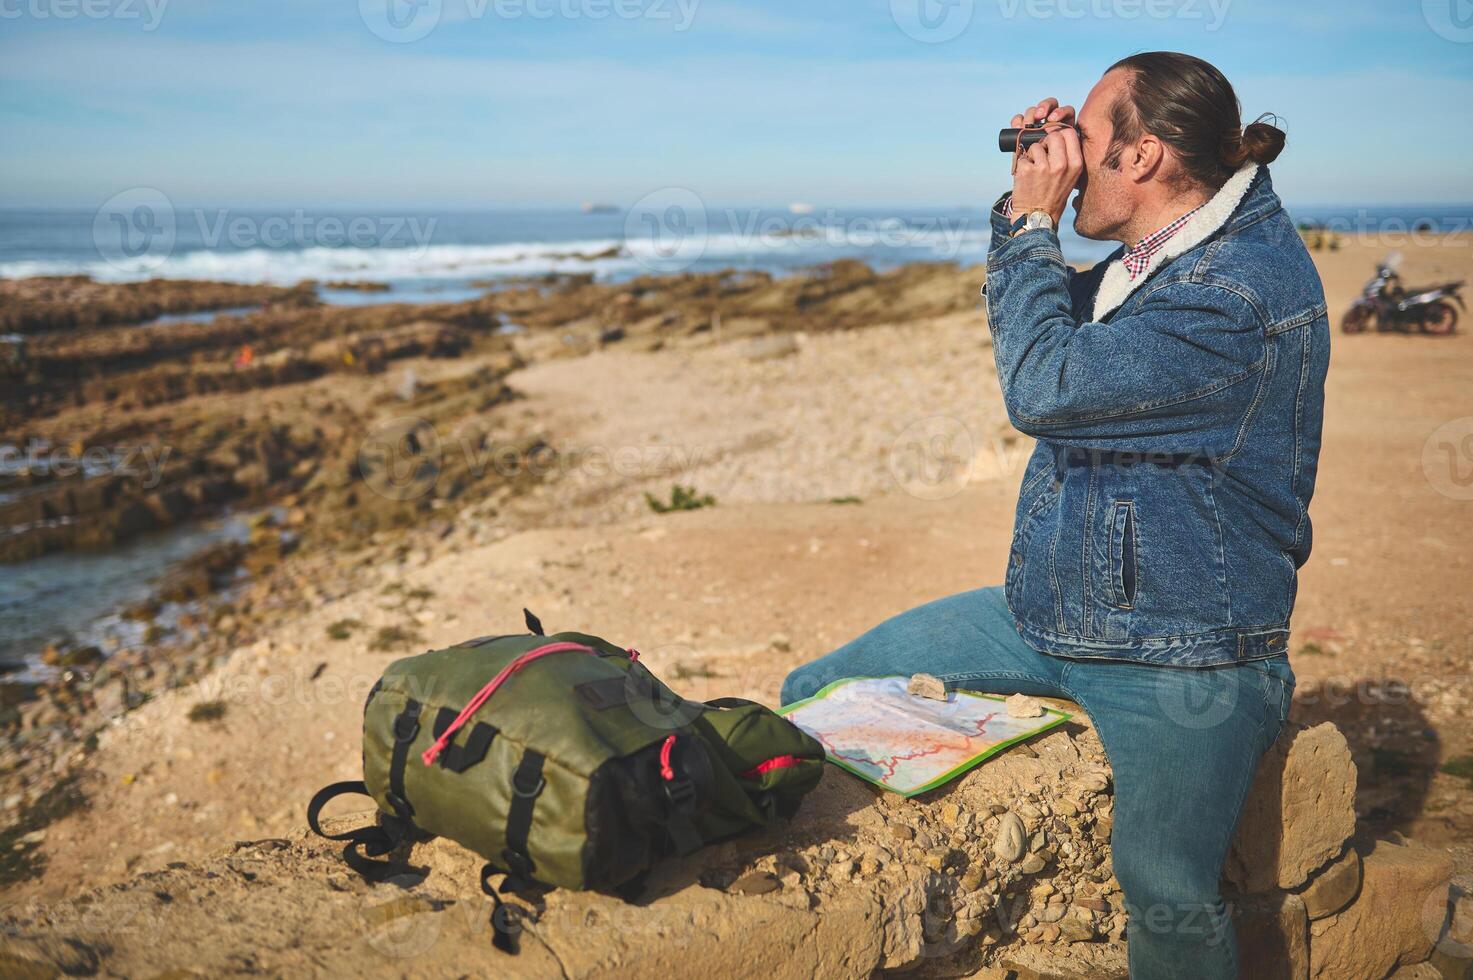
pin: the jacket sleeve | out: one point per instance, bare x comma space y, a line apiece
1177, 376
1078, 283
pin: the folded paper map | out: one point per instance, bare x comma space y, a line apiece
874, 728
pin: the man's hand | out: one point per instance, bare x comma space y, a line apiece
1049, 170
1048, 110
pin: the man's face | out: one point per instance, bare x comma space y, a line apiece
1106, 198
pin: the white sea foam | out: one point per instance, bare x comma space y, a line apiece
286, 266
604, 257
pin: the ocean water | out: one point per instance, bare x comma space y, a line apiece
438, 256
78, 594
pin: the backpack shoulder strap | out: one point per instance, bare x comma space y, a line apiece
375, 840
527, 784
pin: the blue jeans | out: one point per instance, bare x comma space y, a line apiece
1183, 743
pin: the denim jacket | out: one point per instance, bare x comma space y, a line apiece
1163, 515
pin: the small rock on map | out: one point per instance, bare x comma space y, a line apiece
1020, 706
927, 686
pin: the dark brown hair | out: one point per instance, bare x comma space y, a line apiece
1190, 106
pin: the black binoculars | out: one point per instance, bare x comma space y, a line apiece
1007, 140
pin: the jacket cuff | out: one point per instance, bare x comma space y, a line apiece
1001, 223
1008, 249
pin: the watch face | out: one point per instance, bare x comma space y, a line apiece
1037, 219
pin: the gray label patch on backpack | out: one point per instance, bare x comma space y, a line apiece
606, 692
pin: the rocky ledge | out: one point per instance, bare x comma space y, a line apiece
1006, 873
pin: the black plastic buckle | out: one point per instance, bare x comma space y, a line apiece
506, 921
406, 726
681, 793
518, 866
399, 805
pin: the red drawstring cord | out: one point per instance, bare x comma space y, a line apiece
776, 762
433, 752
667, 773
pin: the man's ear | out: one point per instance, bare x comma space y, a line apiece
1149, 156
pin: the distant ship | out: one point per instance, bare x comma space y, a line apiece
800, 207
589, 207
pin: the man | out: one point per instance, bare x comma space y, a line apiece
1176, 393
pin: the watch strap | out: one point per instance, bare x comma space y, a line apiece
1025, 222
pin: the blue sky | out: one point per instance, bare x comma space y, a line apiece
550, 102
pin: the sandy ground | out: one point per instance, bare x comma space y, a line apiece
857, 474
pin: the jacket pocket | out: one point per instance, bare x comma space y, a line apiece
1028, 565
1122, 554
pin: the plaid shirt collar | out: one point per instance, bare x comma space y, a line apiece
1138, 256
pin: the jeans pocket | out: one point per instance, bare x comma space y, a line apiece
1276, 682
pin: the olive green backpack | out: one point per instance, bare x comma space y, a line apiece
564, 763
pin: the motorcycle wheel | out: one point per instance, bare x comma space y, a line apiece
1356, 319
1441, 319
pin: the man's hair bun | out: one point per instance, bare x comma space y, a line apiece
1259, 142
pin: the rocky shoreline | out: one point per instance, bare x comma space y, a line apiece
153, 409
330, 431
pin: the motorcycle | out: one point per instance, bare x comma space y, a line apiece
1389, 306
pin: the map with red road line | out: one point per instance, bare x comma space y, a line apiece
874, 728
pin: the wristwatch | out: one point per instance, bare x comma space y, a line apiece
1030, 221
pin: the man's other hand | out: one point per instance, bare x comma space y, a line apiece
1048, 110
1049, 170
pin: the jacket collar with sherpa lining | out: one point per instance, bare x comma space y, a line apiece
1116, 285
